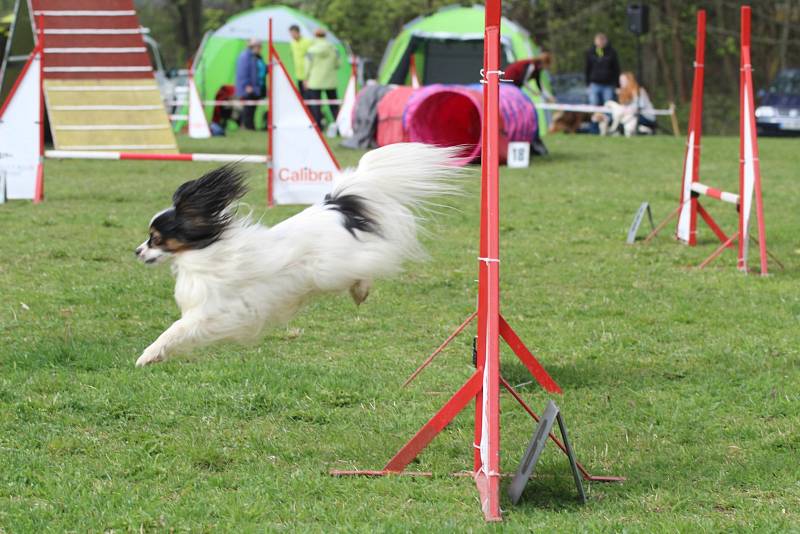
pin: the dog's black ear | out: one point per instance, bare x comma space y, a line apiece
210, 194
201, 206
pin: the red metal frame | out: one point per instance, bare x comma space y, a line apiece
487, 463
709, 220
484, 384
693, 137
747, 111
697, 117
441, 347
696, 126
744, 64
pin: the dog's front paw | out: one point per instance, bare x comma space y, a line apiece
150, 355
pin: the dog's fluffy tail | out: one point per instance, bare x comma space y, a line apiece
390, 190
408, 174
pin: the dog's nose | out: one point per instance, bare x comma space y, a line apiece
138, 250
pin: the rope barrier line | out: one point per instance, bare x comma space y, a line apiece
261, 102
594, 109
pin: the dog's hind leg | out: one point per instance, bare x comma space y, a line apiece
360, 291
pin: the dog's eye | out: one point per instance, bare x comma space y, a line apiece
155, 240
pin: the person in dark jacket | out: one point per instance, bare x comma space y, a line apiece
249, 81
602, 71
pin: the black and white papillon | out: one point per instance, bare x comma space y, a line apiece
236, 277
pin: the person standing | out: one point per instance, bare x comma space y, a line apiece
248, 80
602, 71
299, 46
322, 66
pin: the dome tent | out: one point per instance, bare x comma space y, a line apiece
215, 64
448, 48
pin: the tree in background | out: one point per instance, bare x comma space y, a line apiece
564, 27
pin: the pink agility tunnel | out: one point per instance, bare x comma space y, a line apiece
518, 113
450, 115
447, 115
390, 116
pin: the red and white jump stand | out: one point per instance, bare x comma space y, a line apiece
692, 189
485, 383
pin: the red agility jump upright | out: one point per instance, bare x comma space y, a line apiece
484, 384
749, 169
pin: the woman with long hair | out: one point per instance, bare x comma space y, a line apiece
635, 110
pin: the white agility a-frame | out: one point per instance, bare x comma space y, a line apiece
692, 189
22, 133
303, 167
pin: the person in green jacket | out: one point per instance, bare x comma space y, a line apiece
299, 46
322, 66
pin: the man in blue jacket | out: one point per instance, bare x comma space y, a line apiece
250, 80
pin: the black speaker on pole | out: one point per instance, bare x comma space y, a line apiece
638, 18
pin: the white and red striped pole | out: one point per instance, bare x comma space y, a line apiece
687, 214
713, 192
137, 156
487, 409
749, 166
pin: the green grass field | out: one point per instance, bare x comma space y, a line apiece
684, 381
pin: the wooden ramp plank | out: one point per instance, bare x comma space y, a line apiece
66, 97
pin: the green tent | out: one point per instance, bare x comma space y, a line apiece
448, 48
215, 64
